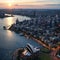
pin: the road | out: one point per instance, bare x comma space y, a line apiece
53, 50
53, 54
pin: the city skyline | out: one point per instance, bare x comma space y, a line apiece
38, 4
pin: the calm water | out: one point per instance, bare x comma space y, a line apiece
10, 41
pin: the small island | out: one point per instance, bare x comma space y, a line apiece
2, 15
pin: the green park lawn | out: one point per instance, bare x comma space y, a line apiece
44, 56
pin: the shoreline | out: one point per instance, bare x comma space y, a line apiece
35, 39
41, 43
38, 41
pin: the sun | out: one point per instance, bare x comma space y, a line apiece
9, 4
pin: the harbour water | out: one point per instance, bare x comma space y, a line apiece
9, 40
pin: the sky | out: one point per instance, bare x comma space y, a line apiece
38, 4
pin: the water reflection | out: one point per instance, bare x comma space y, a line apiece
9, 34
9, 40
9, 21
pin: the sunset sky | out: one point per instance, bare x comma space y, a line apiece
42, 4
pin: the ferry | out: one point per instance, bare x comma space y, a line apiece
4, 27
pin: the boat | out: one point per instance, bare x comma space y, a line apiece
21, 34
4, 27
